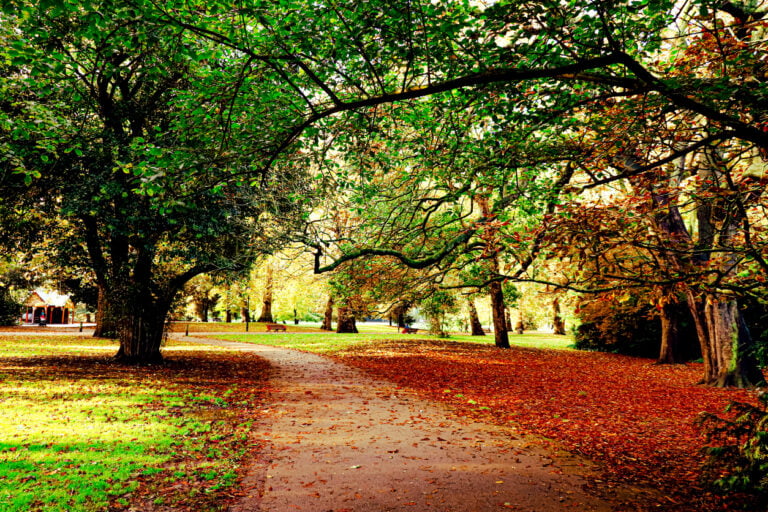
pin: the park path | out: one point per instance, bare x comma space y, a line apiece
338, 440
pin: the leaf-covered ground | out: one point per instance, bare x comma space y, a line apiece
634, 417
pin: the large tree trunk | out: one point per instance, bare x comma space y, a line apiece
202, 309
141, 336
726, 345
328, 317
474, 320
346, 321
671, 351
106, 321
266, 309
246, 314
141, 325
558, 323
501, 337
498, 309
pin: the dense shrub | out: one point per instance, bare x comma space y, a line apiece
624, 327
737, 450
630, 326
756, 316
10, 310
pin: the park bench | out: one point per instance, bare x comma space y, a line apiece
275, 327
409, 330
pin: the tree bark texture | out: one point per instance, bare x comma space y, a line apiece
266, 309
474, 320
725, 342
346, 321
106, 323
501, 336
141, 326
670, 336
328, 317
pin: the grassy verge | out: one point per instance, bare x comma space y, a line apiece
330, 343
79, 433
235, 327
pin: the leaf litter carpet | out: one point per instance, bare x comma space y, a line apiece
339, 440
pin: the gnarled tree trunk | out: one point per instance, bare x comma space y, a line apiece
726, 345
672, 350
142, 332
142, 321
346, 321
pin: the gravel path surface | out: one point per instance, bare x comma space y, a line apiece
339, 441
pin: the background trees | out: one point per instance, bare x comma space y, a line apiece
459, 137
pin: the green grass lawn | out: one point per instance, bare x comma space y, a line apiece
79, 433
330, 342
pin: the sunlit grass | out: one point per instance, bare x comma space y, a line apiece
198, 327
78, 433
29, 346
330, 342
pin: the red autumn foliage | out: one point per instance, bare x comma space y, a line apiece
634, 417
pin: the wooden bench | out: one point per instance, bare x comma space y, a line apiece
409, 330
275, 327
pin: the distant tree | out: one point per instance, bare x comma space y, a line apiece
10, 308
327, 324
267, 295
435, 307
474, 320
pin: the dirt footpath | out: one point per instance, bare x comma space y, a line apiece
339, 440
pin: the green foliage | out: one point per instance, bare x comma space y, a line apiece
755, 314
737, 451
10, 309
436, 307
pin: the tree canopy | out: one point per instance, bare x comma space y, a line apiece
466, 139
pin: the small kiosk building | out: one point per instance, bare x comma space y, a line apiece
49, 308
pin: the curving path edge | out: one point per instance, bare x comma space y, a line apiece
341, 441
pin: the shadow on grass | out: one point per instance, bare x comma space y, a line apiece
82, 432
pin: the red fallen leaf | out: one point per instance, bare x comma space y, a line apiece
634, 417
